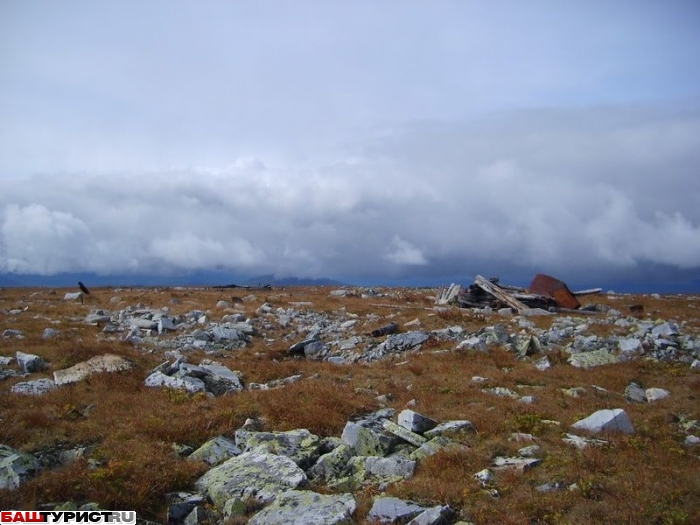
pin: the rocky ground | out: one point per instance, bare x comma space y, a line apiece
333, 406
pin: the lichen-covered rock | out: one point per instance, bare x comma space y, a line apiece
215, 451
451, 429
403, 433
440, 515
331, 465
301, 446
15, 467
435, 445
587, 360
254, 474
99, 363
401, 342
364, 440
296, 507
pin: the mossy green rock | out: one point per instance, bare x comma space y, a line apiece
331, 465
253, 474
296, 507
587, 360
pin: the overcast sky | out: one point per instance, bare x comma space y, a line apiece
355, 140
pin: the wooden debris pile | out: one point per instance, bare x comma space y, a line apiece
545, 292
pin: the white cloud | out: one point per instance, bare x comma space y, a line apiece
403, 252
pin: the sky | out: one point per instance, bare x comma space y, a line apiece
396, 141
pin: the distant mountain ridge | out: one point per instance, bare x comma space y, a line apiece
290, 281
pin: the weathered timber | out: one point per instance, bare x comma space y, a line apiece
499, 294
590, 291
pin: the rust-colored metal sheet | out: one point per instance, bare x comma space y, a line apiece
554, 288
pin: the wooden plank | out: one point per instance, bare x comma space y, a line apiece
592, 291
502, 296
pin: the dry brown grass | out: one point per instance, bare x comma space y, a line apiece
648, 477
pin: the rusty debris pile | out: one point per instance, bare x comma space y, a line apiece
545, 292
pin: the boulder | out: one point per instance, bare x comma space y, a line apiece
435, 445
73, 296
220, 379
300, 445
29, 362
331, 465
394, 510
440, 515
512, 463
97, 364
416, 422
215, 451
634, 393
630, 346
16, 467
295, 507
254, 474
615, 420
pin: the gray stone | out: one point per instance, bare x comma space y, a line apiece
191, 384
165, 324
10, 332
37, 387
440, 515
435, 445
630, 346
634, 393
502, 392
591, 359
145, 324
529, 452
295, 507
581, 442
509, 463
403, 433
615, 420
416, 422
315, 349
394, 510
254, 475
222, 333
220, 379
691, 441
401, 342
215, 451
49, 333
198, 515
391, 467
543, 364
5, 360
665, 330
29, 362
15, 467
97, 364
98, 318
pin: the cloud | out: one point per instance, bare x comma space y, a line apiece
574, 193
402, 252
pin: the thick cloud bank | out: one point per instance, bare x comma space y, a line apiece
571, 192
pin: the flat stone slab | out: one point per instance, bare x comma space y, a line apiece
451, 428
403, 433
100, 363
215, 451
37, 387
296, 507
416, 422
591, 359
512, 463
394, 510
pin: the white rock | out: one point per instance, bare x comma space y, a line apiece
656, 394
615, 420
100, 363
